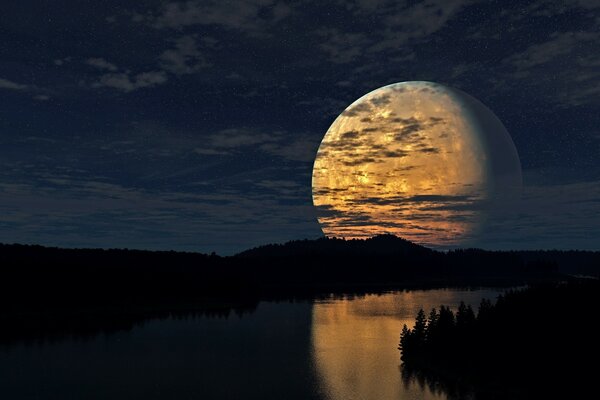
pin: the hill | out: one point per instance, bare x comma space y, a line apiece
381, 245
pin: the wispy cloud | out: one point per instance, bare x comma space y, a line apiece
342, 47
557, 46
36, 93
185, 57
101, 63
563, 216
302, 147
11, 85
396, 24
129, 82
248, 16
69, 211
566, 66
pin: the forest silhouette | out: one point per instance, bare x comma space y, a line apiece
57, 290
539, 342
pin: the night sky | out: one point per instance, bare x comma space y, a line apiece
194, 125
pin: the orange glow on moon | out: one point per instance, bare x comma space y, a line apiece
406, 159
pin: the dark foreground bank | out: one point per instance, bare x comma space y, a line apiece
541, 342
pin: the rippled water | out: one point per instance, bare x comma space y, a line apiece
334, 349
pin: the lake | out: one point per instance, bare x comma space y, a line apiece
334, 349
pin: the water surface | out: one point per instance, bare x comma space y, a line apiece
335, 349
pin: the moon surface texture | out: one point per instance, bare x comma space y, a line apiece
418, 160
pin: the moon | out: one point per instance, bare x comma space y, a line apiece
417, 159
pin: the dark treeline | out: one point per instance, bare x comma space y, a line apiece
55, 324
51, 323
68, 284
36, 274
541, 342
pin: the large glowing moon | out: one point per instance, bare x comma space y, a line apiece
416, 159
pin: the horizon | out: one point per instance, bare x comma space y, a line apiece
287, 242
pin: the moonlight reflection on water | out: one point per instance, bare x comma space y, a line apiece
354, 342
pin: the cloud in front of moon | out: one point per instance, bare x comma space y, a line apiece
416, 159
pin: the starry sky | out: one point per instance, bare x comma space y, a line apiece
193, 125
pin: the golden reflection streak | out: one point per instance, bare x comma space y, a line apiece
354, 347
354, 342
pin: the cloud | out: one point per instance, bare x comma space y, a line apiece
342, 47
62, 61
417, 21
6, 84
250, 16
149, 139
395, 154
300, 148
210, 152
25, 89
344, 84
234, 76
565, 68
101, 63
395, 24
357, 110
426, 16
278, 184
235, 138
356, 147
559, 45
381, 100
184, 58
550, 8
350, 135
128, 83
432, 150
69, 211
563, 216
355, 161
432, 198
